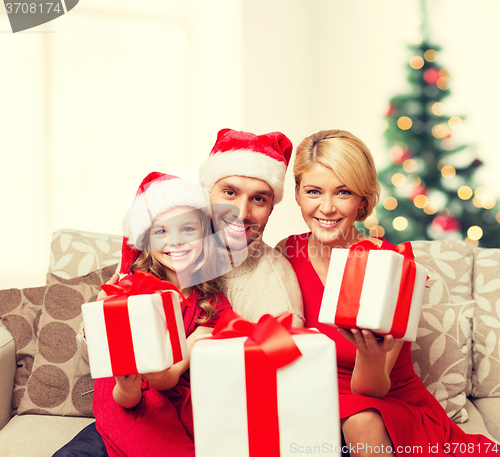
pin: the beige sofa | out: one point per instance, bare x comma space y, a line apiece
45, 399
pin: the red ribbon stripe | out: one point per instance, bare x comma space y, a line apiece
117, 321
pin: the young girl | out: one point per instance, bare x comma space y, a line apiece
384, 406
166, 234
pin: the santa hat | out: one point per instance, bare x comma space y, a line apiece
157, 193
264, 157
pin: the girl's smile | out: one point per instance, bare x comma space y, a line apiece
176, 239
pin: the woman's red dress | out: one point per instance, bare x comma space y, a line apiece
416, 422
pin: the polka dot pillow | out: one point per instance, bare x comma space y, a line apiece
59, 381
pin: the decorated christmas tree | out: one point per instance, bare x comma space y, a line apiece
428, 188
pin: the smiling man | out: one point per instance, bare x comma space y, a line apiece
244, 177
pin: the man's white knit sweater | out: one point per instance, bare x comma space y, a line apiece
264, 283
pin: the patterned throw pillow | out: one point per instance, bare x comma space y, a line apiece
486, 334
20, 311
60, 382
74, 253
441, 354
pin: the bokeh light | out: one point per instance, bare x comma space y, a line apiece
438, 108
455, 122
464, 192
377, 231
431, 55
475, 232
390, 203
398, 179
430, 209
448, 171
415, 38
420, 201
443, 80
416, 62
400, 223
371, 222
440, 131
414, 180
410, 165
404, 123
483, 198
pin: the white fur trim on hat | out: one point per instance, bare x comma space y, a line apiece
160, 196
244, 163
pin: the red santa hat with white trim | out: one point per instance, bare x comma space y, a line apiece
235, 153
157, 193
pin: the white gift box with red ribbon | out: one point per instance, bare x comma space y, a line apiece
134, 334
375, 289
241, 407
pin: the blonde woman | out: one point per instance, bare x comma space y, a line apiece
384, 406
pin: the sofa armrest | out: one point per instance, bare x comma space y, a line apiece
7, 373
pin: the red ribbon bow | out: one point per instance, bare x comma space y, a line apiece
269, 346
116, 317
352, 284
142, 283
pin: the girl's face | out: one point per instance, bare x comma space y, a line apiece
176, 238
328, 206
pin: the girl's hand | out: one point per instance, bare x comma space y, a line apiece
113, 280
130, 383
163, 380
127, 392
366, 342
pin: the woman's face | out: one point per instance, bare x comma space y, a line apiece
328, 206
176, 238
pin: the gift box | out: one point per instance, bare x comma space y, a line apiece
132, 332
375, 289
268, 393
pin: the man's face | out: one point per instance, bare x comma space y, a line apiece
241, 207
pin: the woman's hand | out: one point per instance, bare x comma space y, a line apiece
366, 342
127, 392
375, 358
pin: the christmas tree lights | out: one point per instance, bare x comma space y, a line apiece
428, 190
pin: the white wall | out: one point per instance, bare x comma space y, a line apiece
94, 100
323, 64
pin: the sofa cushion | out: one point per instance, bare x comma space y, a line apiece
486, 325
490, 412
441, 354
444, 334
75, 253
35, 436
60, 382
20, 310
477, 425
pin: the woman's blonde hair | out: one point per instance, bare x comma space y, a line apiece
204, 268
348, 157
